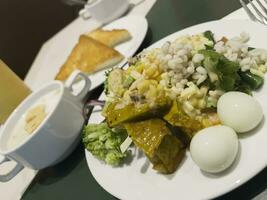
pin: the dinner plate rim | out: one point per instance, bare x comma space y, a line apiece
213, 194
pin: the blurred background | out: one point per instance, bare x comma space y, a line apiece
26, 25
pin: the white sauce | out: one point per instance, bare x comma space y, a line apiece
19, 134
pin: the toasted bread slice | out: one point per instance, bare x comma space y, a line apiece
89, 56
110, 37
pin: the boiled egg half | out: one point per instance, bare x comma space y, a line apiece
240, 111
214, 148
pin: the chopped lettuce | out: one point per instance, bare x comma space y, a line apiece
220, 69
209, 35
243, 87
226, 74
104, 142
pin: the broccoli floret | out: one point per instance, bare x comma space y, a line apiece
114, 157
104, 143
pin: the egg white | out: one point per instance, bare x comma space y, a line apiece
240, 111
215, 148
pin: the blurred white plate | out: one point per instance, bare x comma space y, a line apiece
61, 45
138, 180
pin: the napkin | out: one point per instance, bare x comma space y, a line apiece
14, 189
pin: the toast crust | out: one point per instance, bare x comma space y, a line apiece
110, 37
89, 56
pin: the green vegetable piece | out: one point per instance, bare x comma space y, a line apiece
252, 80
227, 82
221, 69
104, 143
209, 35
128, 82
250, 48
207, 47
209, 64
226, 66
113, 158
243, 87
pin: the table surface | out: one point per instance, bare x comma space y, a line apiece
71, 179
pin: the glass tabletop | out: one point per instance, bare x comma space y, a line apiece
71, 179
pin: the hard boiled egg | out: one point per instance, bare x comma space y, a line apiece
240, 111
214, 149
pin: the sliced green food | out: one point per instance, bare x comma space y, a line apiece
115, 116
155, 139
178, 118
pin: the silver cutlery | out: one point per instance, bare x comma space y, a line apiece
257, 14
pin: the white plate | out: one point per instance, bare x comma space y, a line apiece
65, 40
134, 181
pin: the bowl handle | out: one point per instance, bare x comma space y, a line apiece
76, 76
12, 173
